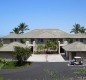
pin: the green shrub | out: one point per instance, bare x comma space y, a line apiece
21, 54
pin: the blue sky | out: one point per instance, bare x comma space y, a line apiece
56, 14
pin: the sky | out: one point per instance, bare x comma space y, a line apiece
41, 14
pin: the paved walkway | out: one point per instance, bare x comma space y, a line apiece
46, 58
42, 71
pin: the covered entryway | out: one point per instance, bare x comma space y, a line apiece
61, 49
75, 49
73, 54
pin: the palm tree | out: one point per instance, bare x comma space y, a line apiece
76, 28
82, 30
16, 30
23, 27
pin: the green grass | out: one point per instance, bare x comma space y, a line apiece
1, 78
13, 65
1, 65
80, 71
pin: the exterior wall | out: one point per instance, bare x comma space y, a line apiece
78, 39
66, 54
7, 41
6, 55
84, 40
63, 42
81, 54
37, 40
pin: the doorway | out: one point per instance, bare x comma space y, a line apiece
73, 54
61, 49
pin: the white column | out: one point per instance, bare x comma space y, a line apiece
27, 43
70, 56
34, 46
67, 55
59, 46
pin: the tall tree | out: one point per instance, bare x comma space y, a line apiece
16, 30
76, 29
23, 27
82, 30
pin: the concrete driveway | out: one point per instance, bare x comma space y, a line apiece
46, 58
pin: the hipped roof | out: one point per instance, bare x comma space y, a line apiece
76, 46
11, 46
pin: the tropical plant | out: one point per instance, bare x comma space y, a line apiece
78, 29
23, 40
51, 44
16, 30
82, 30
21, 54
69, 40
40, 48
23, 27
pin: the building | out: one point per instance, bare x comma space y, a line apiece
6, 50
41, 36
75, 49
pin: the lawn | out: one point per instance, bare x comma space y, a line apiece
1, 65
1, 78
13, 65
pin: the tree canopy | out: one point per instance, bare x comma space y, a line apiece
21, 28
77, 28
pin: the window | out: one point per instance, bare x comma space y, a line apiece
32, 41
40, 40
15, 39
81, 40
76, 39
11, 40
61, 41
